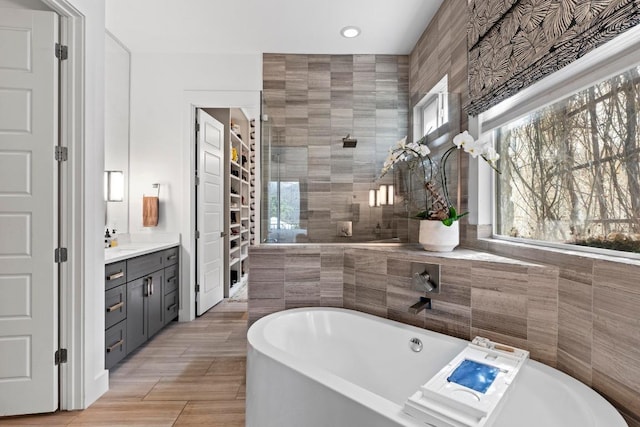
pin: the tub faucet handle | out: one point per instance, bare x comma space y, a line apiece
423, 282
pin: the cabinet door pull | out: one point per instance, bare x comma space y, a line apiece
151, 283
147, 281
172, 257
171, 307
116, 345
171, 279
115, 276
115, 307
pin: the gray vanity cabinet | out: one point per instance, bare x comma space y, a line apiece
144, 309
141, 297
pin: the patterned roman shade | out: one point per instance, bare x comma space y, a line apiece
514, 43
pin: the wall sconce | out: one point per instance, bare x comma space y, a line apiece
383, 196
113, 186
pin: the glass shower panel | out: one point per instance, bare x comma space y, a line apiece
284, 184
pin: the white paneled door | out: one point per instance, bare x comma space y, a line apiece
210, 206
28, 211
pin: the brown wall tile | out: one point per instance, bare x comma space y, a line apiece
313, 101
505, 324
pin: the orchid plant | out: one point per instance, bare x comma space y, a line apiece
417, 154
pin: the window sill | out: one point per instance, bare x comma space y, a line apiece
541, 253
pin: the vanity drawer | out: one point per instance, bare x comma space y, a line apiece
171, 279
115, 342
170, 306
115, 274
170, 256
143, 265
115, 302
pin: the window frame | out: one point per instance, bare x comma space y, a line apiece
439, 94
602, 63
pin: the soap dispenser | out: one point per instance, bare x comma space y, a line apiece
114, 239
107, 239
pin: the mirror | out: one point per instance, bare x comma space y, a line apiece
116, 134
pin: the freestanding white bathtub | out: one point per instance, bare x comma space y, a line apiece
321, 367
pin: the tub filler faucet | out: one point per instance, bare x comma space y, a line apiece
424, 303
423, 281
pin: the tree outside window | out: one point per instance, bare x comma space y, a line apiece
571, 171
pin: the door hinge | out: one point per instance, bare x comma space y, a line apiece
60, 356
197, 288
197, 127
62, 154
197, 180
60, 255
197, 234
62, 52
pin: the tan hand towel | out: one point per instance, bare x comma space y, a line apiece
150, 205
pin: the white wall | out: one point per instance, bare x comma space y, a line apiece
163, 86
116, 126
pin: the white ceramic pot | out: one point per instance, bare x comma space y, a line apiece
437, 237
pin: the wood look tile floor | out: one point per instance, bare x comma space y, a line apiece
189, 374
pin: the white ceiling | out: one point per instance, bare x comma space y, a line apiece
271, 26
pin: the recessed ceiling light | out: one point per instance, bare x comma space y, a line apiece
350, 32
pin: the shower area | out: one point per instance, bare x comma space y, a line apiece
318, 194
328, 124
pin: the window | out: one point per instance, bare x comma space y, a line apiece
433, 110
571, 170
284, 205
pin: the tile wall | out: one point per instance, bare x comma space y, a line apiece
440, 51
598, 317
480, 294
313, 101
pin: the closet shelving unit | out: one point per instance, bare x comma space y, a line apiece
252, 181
237, 195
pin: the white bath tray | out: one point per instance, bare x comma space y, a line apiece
470, 390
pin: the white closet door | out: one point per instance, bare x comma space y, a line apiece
210, 220
28, 211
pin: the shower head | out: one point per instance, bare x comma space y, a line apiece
348, 142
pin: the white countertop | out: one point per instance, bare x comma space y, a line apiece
133, 245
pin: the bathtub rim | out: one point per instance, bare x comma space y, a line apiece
256, 340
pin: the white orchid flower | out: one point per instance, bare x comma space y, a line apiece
474, 148
463, 139
423, 150
490, 153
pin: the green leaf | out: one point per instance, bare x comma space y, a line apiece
453, 216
